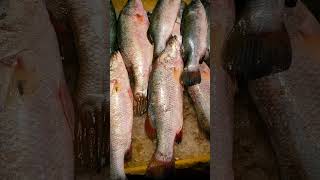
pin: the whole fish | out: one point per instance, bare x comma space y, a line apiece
136, 50
121, 108
36, 115
194, 41
165, 109
113, 28
200, 95
162, 20
289, 101
259, 44
222, 94
89, 25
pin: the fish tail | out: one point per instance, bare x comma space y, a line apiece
178, 138
159, 169
190, 78
140, 104
252, 56
150, 130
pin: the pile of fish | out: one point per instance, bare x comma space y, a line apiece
161, 55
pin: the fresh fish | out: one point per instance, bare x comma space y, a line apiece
194, 41
121, 108
162, 20
165, 109
136, 50
36, 118
113, 28
289, 101
177, 25
200, 95
222, 94
259, 44
90, 26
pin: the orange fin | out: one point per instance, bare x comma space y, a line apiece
161, 169
150, 130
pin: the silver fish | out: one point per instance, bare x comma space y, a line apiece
136, 50
165, 110
222, 93
163, 19
289, 101
36, 119
200, 95
121, 115
194, 41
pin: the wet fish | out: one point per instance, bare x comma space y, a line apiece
259, 44
289, 101
222, 93
36, 119
121, 108
194, 41
200, 95
136, 50
162, 20
113, 28
89, 25
177, 25
165, 109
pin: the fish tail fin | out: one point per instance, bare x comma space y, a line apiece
150, 130
128, 154
178, 138
140, 106
251, 56
190, 78
159, 169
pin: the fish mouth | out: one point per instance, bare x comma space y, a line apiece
140, 103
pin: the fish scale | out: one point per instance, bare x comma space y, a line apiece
289, 101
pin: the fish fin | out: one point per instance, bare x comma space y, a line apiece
178, 138
251, 56
67, 106
291, 3
128, 155
150, 130
140, 104
149, 35
190, 78
160, 169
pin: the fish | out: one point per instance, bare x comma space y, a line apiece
223, 89
258, 44
162, 22
165, 109
37, 115
194, 41
136, 50
113, 28
89, 27
200, 95
177, 25
121, 116
288, 101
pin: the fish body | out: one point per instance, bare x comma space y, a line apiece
200, 95
89, 25
194, 41
288, 101
177, 25
259, 44
222, 94
36, 119
136, 50
162, 20
121, 118
165, 109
